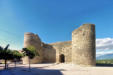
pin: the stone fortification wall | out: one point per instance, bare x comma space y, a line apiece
49, 53
80, 51
83, 45
63, 48
31, 39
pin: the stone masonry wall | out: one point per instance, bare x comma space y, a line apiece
80, 51
63, 48
49, 53
83, 45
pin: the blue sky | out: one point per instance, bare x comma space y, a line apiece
52, 20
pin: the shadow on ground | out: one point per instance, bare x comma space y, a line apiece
46, 65
23, 70
35, 71
104, 65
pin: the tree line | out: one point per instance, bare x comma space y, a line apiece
14, 55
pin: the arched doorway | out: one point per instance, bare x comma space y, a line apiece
62, 58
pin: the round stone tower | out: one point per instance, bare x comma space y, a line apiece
31, 39
83, 45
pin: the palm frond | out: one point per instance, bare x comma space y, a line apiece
6, 47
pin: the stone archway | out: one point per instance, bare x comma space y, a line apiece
62, 58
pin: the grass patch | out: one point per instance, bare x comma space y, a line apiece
105, 61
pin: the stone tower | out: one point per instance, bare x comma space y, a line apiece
31, 39
83, 45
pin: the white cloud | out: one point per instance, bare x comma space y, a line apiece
104, 44
104, 52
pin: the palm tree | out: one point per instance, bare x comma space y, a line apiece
1, 51
5, 54
30, 52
